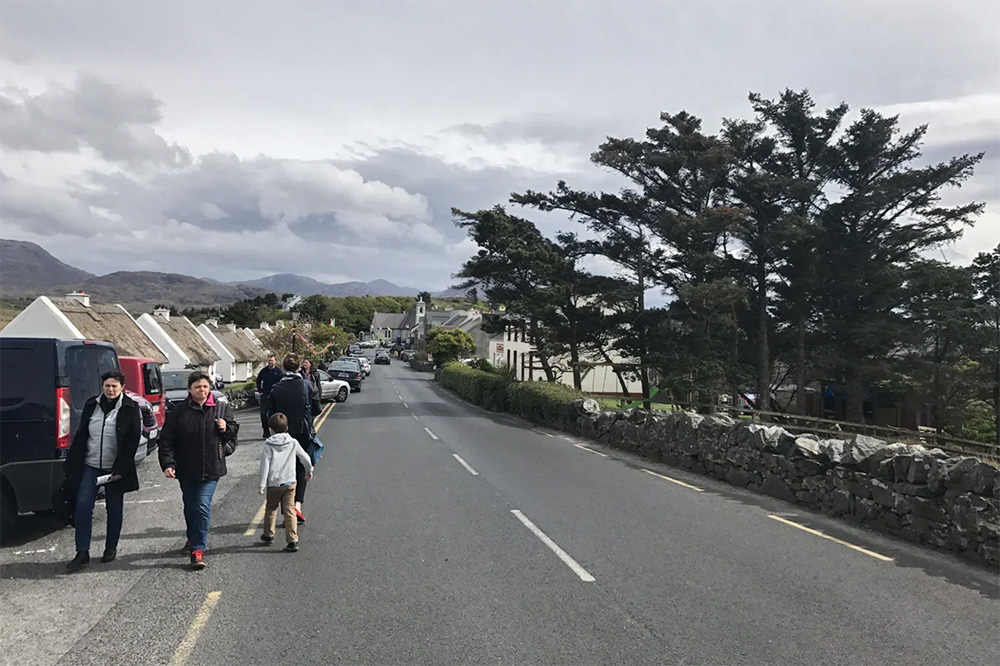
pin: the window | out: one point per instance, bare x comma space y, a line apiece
151, 379
85, 364
18, 365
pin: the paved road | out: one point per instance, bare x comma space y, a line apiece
438, 534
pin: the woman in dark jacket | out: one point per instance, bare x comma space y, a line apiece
104, 446
197, 436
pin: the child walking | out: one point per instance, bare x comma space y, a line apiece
277, 479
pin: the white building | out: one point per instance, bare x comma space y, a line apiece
185, 347
242, 357
226, 367
512, 348
74, 317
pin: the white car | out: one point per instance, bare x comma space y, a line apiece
333, 389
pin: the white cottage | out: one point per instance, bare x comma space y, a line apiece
186, 348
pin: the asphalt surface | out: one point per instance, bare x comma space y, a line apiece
440, 534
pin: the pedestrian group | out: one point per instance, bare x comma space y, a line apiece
198, 435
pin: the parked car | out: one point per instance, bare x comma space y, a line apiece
175, 388
406, 355
333, 389
366, 366
143, 377
382, 358
150, 432
44, 383
349, 370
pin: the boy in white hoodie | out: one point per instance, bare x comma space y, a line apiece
277, 479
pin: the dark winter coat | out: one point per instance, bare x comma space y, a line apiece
291, 396
128, 432
192, 443
267, 378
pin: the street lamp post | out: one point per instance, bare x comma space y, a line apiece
295, 333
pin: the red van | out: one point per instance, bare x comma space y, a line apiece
142, 376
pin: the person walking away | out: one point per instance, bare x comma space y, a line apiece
266, 379
278, 459
311, 375
103, 451
292, 397
196, 438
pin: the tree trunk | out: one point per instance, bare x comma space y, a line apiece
574, 359
800, 365
550, 375
855, 400
996, 401
618, 373
763, 348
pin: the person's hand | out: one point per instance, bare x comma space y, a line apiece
114, 477
170, 473
261, 491
309, 476
221, 423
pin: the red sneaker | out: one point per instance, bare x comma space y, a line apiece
197, 559
301, 518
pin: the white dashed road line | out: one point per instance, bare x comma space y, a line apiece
541, 432
596, 453
560, 553
433, 436
667, 478
465, 465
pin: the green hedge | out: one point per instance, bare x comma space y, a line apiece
541, 402
485, 389
242, 386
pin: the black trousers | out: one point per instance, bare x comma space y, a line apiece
263, 417
300, 471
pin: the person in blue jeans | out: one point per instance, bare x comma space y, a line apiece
197, 436
104, 449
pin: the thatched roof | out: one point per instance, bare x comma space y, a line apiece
111, 323
186, 336
239, 345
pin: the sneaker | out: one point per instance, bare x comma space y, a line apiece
267, 539
292, 547
197, 559
109, 555
187, 548
81, 560
300, 516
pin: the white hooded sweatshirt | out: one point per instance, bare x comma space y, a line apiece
277, 460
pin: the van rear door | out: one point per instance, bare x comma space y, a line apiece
83, 365
27, 400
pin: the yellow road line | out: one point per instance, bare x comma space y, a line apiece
830, 538
596, 453
322, 416
183, 651
667, 478
256, 522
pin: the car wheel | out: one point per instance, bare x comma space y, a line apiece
342, 394
8, 512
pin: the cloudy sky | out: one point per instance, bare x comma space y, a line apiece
237, 139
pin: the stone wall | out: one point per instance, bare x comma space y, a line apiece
923, 496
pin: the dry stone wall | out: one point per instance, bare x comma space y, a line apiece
918, 494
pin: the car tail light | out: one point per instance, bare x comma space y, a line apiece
357, 376
63, 415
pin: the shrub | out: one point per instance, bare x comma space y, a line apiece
242, 386
543, 402
485, 389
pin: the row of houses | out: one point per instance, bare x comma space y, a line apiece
510, 347
227, 351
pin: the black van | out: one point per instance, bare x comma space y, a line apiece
44, 383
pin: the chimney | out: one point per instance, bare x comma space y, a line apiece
212, 323
162, 312
80, 297
231, 327
264, 326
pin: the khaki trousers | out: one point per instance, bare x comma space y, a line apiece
285, 497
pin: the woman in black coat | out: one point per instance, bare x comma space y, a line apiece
105, 445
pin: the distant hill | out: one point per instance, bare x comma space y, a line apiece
27, 270
26, 267
283, 283
140, 290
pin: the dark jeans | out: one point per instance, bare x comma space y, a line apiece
263, 417
300, 471
86, 495
197, 497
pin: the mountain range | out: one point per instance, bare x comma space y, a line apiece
28, 270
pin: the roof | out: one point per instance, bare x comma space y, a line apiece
111, 323
186, 336
393, 320
238, 344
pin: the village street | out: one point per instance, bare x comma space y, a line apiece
439, 534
